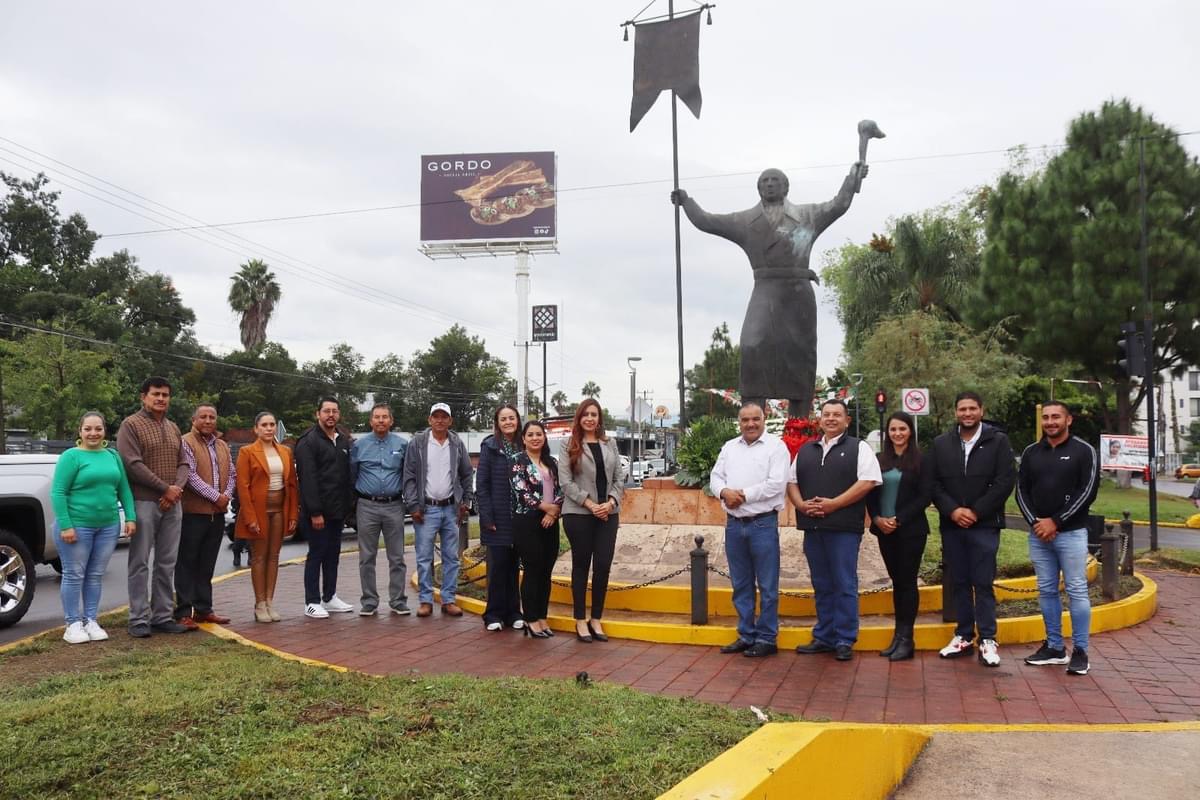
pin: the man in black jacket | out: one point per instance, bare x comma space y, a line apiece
1056, 485
973, 477
323, 469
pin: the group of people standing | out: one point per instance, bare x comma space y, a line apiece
174, 490
839, 487
522, 491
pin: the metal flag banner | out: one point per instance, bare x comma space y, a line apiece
666, 56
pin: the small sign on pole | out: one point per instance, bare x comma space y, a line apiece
545, 323
915, 401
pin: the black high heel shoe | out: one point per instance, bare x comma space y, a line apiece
581, 637
597, 635
528, 631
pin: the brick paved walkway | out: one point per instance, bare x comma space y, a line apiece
1150, 672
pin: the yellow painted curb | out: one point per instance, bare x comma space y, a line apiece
857, 761
678, 599
786, 760
1124, 613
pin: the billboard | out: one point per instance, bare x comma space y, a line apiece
486, 197
1124, 452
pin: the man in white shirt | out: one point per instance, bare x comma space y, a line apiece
750, 477
829, 486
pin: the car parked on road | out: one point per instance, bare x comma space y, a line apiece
1187, 471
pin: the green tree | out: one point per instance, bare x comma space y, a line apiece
387, 378
925, 263
341, 375
720, 368
1193, 436
920, 349
253, 297
53, 382
245, 390
590, 389
456, 369
1060, 267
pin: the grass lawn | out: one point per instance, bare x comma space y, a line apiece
1111, 501
197, 716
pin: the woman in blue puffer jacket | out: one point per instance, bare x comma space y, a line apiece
493, 491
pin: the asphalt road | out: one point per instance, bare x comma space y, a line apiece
46, 610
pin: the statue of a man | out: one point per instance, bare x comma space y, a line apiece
779, 336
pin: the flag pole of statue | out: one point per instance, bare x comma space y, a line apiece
666, 57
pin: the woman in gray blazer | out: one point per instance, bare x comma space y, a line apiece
593, 480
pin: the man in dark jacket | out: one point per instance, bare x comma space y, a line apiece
323, 469
973, 477
1056, 485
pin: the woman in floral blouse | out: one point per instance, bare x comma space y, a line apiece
536, 505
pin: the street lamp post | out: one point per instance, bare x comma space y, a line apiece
632, 407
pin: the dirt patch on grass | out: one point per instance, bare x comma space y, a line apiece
328, 710
1160, 561
49, 655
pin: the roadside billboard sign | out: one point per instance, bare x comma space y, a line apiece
1124, 452
488, 197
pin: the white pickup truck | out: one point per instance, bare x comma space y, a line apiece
26, 520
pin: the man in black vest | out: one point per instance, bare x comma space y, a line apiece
829, 486
973, 475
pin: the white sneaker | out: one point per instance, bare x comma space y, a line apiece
94, 632
958, 647
75, 634
336, 603
989, 653
316, 611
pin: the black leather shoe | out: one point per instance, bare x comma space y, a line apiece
903, 651
760, 649
887, 651
168, 627
736, 646
843, 652
814, 647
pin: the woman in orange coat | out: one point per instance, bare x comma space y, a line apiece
269, 501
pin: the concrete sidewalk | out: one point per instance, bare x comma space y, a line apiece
1147, 673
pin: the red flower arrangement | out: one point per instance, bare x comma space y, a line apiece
797, 432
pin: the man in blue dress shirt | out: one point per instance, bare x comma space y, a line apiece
376, 462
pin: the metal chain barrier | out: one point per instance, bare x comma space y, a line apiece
641, 585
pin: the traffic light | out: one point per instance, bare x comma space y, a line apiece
880, 401
1131, 357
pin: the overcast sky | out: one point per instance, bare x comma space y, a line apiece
241, 111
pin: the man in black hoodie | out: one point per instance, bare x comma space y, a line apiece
323, 469
973, 476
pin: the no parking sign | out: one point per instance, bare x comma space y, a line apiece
915, 401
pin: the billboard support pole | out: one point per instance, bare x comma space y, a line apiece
678, 250
522, 273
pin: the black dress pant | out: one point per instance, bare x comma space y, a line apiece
538, 548
593, 542
902, 551
199, 545
321, 564
970, 555
503, 601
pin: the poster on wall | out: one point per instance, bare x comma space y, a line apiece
1124, 452
488, 197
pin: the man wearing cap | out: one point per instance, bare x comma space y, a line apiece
437, 491
376, 464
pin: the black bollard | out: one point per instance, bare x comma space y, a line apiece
948, 614
1127, 536
1108, 562
699, 583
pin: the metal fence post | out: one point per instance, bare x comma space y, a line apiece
699, 583
948, 613
1108, 562
1127, 534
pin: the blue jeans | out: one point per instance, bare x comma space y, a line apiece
752, 549
833, 567
441, 520
83, 566
1066, 553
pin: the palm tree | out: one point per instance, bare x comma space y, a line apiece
253, 295
559, 401
590, 389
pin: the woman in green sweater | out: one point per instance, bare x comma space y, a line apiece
89, 480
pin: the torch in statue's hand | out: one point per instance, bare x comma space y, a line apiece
867, 130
